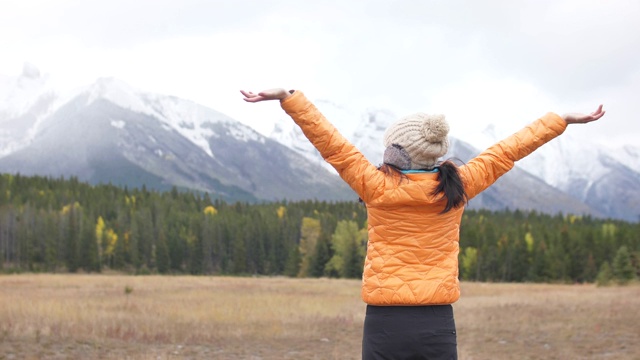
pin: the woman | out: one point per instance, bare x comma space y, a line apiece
414, 207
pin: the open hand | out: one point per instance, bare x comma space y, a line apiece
271, 94
577, 118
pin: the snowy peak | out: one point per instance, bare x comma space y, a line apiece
288, 134
563, 160
370, 132
30, 71
25, 101
191, 120
110, 132
19, 94
117, 92
627, 155
605, 179
177, 141
567, 174
366, 135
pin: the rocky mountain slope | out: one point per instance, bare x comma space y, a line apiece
111, 133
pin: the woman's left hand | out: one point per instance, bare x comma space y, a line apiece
271, 94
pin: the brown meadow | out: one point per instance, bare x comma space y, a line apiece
183, 317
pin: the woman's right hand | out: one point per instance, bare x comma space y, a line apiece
578, 118
271, 94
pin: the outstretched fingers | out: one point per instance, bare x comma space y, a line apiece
593, 116
578, 118
598, 113
251, 97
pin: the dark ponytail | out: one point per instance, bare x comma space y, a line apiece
449, 183
451, 186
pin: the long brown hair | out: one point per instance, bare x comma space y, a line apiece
451, 186
449, 183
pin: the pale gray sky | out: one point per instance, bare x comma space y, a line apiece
479, 62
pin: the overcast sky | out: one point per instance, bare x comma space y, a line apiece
479, 62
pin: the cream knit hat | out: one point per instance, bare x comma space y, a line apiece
416, 141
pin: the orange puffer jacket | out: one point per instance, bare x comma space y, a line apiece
412, 253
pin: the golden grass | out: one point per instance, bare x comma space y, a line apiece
94, 316
542, 321
80, 316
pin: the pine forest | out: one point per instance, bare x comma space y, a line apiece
64, 225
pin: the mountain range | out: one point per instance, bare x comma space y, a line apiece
111, 133
563, 176
108, 132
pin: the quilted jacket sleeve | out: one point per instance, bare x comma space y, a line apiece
486, 168
363, 177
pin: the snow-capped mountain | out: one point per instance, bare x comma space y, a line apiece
290, 135
286, 132
370, 132
24, 101
110, 132
606, 179
627, 155
566, 175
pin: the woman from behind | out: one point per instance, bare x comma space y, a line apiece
414, 207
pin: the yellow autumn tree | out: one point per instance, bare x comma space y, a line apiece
528, 239
210, 210
309, 234
110, 239
469, 262
100, 226
67, 208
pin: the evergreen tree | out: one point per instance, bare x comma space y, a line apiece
623, 271
51, 242
292, 266
71, 214
322, 255
163, 260
590, 269
208, 242
605, 275
89, 248
239, 252
53, 223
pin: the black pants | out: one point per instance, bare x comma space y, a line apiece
409, 332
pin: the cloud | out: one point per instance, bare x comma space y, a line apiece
125, 23
499, 56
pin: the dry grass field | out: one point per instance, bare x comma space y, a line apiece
154, 317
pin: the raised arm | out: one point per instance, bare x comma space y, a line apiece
486, 168
351, 165
271, 94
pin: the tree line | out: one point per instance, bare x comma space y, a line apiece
64, 225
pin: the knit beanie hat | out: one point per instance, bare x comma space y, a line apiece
416, 141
